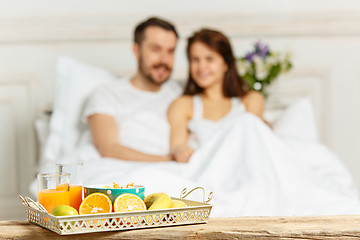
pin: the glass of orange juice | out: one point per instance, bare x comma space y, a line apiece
76, 181
53, 189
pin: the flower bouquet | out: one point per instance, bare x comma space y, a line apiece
261, 66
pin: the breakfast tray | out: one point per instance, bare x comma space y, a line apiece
194, 212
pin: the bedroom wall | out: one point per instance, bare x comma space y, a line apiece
322, 35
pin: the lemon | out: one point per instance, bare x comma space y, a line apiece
64, 210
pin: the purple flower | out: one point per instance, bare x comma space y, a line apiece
261, 49
249, 56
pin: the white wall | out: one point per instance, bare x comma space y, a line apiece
21, 8
323, 36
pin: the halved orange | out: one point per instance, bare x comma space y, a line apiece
128, 202
96, 203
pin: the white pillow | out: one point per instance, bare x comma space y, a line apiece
297, 121
75, 81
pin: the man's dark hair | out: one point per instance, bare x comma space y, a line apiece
154, 21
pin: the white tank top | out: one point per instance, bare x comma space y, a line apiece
202, 129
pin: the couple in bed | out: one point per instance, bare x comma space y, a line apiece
212, 136
121, 111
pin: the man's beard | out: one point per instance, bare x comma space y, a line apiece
147, 74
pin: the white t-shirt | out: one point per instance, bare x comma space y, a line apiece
141, 116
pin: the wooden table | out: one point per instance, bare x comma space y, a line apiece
312, 227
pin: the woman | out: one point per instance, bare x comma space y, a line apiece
251, 170
214, 85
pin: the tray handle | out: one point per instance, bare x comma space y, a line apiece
31, 203
184, 193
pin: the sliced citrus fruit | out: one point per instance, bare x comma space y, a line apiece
128, 202
96, 203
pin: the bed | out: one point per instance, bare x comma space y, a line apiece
269, 171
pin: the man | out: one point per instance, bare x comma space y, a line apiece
127, 118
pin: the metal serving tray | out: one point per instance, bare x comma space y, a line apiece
194, 212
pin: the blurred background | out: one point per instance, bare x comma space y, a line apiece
322, 35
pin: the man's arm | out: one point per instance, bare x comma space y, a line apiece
104, 132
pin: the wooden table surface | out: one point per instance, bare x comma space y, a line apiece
310, 227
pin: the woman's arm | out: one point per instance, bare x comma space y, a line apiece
179, 114
254, 102
105, 137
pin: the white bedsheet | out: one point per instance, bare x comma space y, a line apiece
251, 170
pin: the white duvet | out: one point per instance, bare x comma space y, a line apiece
251, 170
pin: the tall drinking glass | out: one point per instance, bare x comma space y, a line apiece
53, 189
76, 181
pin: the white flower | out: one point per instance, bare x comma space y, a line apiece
275, 55
261, 70
243, 67
257, 86
270, 61
288, 56
257, 60
283, 58
261, 73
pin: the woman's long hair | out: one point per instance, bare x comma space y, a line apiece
233, 85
